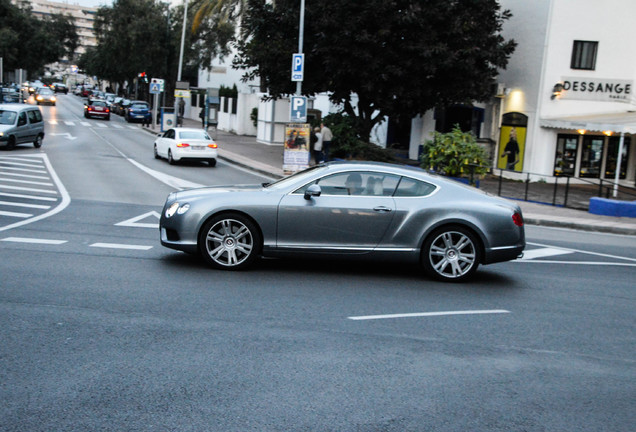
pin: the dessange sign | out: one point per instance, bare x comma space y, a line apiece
597, 89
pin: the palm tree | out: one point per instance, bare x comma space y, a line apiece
224, 10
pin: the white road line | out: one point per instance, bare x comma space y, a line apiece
9, 203
428, 314
132, 127
26, 181
24, 175
116, 126
599, 263
69, 123
543, 252
33, 240
585, 252
53, 122
85, 123
65, 197
21, 164
18, 158
14, 214
32, 197
31, 170
101, 125
28, 189
120, 246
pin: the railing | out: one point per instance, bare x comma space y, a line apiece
561, 191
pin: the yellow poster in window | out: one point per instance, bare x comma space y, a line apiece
512, 144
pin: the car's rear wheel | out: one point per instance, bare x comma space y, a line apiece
451, 253
171, 160
156, 153
230, 241
38, 141
212, 162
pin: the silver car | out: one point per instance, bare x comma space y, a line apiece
365, 210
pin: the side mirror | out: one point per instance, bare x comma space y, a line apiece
312, 191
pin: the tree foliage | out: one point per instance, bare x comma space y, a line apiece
27, 42
378, 58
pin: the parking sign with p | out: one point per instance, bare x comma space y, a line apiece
298, 61
298, 109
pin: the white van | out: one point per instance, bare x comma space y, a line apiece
20, 124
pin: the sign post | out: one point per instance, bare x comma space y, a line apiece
156, 87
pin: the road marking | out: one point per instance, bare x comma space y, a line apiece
117, 126
69, 123
85, 123
20, 164
26, 181
599, 263
134, 222
15, 214
101, 125
66, 134
428, 314
53, 122
33, 240
33, 197
28, 189
9, 203
543, 252
30, 170
120, 246
24, 175
585, 252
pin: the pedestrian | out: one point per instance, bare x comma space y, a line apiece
511, 151
202, 117
181, 112
327, 137
317, 145
147, 118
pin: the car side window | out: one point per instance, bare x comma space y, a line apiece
22, 119
356, 183
32, 116
409, 187
37, 115
169, 134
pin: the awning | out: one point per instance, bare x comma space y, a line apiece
616, 122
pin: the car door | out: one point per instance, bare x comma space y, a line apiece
22, 128
345, 218
164, 142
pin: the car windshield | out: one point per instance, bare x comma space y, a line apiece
45, 90
7, 117
297, 177
139, 106
200, 135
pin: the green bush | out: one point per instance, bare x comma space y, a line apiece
455, 154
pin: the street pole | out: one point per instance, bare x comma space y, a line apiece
301, 31
617, 174
183, 29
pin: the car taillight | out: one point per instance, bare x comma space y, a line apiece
90, 108
212, 145
517, 219
183, 145
107, 110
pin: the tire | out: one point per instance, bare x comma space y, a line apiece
155, 151
230, 242
171, 160
108, 118
11, 143
38, 141
451, 254
212, 163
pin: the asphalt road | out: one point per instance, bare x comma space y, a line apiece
103, 329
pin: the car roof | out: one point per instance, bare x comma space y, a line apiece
18, 107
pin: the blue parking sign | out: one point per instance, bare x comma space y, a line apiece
298, 63
298, 108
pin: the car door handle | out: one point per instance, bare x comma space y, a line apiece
382, 209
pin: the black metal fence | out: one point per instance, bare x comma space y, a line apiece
559, 191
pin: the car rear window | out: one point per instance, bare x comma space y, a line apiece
99, 103
202, 135
35, 116
139, 106
409, 187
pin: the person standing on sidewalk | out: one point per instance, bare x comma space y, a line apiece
327, 136
181, 112
317, 145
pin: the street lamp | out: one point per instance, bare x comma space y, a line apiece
185, 17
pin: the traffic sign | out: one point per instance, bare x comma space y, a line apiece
159, 81
298, 62
298, 109
155, 88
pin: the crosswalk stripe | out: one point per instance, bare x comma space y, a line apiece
69, 123
15, 214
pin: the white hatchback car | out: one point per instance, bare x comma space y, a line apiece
186, 143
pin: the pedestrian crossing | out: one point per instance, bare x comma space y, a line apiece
95, 124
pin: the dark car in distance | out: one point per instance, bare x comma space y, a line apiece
138, 111
60, 88
97, 108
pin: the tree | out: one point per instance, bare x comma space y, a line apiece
214, 28
29, 43
378, 58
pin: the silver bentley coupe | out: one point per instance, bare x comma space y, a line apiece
347, 209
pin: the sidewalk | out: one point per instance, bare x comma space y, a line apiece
268, 160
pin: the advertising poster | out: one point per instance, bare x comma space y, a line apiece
512, 144
296, 153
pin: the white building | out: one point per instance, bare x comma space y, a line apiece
565, 97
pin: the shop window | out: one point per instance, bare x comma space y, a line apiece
591, 157
565, 159
584, 55
612, 157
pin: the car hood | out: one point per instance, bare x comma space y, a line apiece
213, 190
4, 127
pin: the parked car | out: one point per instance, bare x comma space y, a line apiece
186, 143
121, 106
96, 108
10, 95
138, 111
347, 209
44, 95
60, 88
19, 124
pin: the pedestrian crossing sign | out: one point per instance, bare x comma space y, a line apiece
155, 88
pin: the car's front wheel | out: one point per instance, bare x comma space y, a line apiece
229, 241
451, 254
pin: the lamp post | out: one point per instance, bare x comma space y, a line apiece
185, 17
301, 31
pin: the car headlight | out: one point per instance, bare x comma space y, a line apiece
177, 208
172, 209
